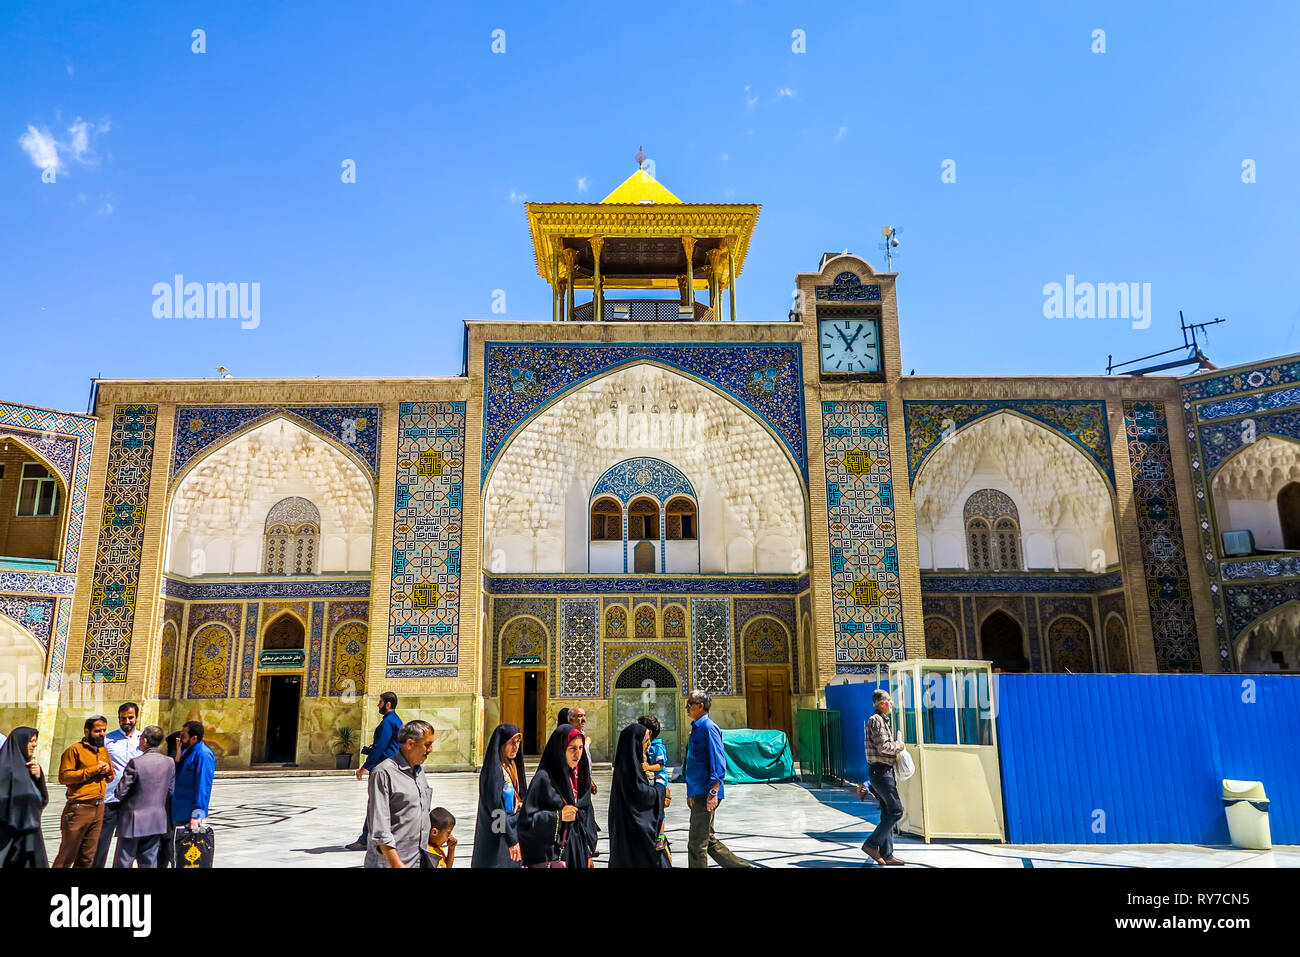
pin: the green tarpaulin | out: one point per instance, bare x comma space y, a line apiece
755, 757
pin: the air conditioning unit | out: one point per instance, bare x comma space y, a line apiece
1239, 542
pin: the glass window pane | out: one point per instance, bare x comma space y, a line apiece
49, 492
938, 711
27, 498
975, 706
905, 707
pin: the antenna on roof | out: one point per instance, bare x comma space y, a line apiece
1190, 341
889, 245
640, 157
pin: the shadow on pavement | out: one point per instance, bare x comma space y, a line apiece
328, 849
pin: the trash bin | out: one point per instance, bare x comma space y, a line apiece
1246, 806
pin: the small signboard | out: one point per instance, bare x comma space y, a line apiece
515, 661
282, 658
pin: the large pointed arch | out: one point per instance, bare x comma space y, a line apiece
538, 489
63, 509
22, 663
1245, 486
218, 503
1275, 624
1045, 473
578, 385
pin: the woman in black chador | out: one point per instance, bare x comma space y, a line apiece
22, 798
560, 793
635, 805
500, 800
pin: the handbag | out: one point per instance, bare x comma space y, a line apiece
904, 766
559, 861
193, 849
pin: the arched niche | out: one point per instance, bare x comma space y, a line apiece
22, 666
1002, 641
1065, 510
1271, 643
1257, 489
33, 504
538, 493
217, 519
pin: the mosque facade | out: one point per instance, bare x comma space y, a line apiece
640, 497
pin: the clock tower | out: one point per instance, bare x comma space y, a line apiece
866, 583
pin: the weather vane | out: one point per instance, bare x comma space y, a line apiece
640, 157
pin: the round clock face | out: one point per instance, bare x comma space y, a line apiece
849, 345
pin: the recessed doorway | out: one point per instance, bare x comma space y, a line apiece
523, 704
278, 698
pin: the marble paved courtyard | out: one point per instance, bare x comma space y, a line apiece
305, 821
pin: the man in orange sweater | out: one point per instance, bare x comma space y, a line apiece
85, 770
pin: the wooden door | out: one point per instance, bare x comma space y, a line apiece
512, 696
767, 695
259, 719
778, 700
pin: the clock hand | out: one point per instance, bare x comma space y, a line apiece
847, 343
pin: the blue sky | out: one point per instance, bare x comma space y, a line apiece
1122, 166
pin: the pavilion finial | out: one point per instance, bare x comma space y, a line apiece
640, 157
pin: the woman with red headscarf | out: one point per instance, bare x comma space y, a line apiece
550, 828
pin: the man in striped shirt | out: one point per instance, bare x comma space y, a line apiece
881, 752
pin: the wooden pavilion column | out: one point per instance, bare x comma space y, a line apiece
597, 293
688, 244
731, 274
556, 289
569, 256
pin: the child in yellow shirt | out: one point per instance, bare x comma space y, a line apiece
442, 844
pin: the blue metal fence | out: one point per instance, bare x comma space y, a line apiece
1128, 759
1139, 759
854, 704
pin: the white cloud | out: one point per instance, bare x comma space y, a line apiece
724, 157
517, 197
69, 69
40, 148
79, 138
785, 91
106, 209
582, 184
751, 100
48, 152
839, 134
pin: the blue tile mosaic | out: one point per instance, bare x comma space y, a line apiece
200, 427
522, 378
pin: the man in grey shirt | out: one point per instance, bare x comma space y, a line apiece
400, 796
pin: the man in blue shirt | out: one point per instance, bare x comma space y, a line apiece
122, 745
384, 746
193, 789
706, 768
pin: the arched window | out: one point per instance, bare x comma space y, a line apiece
1006, 538
292, 537
606, 521
643, 521
1288, 514
977, 543
992, 531
277, 549
681, 521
